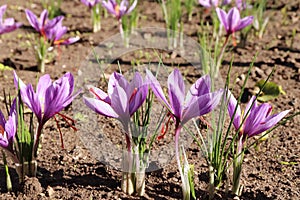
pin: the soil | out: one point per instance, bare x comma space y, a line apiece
269, 172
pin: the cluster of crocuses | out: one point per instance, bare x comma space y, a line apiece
124, 98
50, 33
21, 141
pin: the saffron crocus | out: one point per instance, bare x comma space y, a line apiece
55, 34
9, 24
213, 3
232, 21
44, 23
122, 99
257, 119
198, 101
119, 10
49, 98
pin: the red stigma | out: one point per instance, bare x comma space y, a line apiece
2, 131
165, 127
133, 94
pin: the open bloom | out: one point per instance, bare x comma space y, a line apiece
8, 128
198, 101
119, 10
213, 3
49, 97
232, 21
44, 23
258, 120
9, 24
90, 3
51, 30
55, 34
122, 99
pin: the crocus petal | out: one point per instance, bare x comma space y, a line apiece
200, 87
222, 15
131, 8
232, 104
70, 40
33, 20
233, 19
112, 82
157, 90
138, 98
33, 102
205, 3
43, 84
99, 94
43, 19
100, 107
269, 123
10, 128
244, 22
109, 7
176, 89
202, 105
119, 102
256, 117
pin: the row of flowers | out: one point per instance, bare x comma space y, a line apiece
123, 101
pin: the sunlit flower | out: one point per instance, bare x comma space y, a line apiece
232, 21
90, 3
122, 99
258, 120
213, 3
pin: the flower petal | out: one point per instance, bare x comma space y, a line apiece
176, 89
100, 107
244, 22
222, 15
202, 105
33, 20
232, 104
157, 90
119, 102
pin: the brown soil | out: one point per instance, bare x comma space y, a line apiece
272, 172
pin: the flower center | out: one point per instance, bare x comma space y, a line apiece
117, 10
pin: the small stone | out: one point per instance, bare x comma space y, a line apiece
50, 192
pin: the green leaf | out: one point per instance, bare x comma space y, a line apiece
191, 181
270, 91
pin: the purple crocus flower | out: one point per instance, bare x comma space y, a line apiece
119, 10
9, 24
259, 118
50, 97
122, 99
44, 23
55, 34
90, 3
213, 3
232, 21
198, 101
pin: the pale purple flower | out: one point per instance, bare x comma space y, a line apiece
258, 120
9, 24
49, 97
198, 101
213, 3
55, 34
232, 21
119, 10
242, 5
8, 128
90, 3
44, 23
122, 99
51, 30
